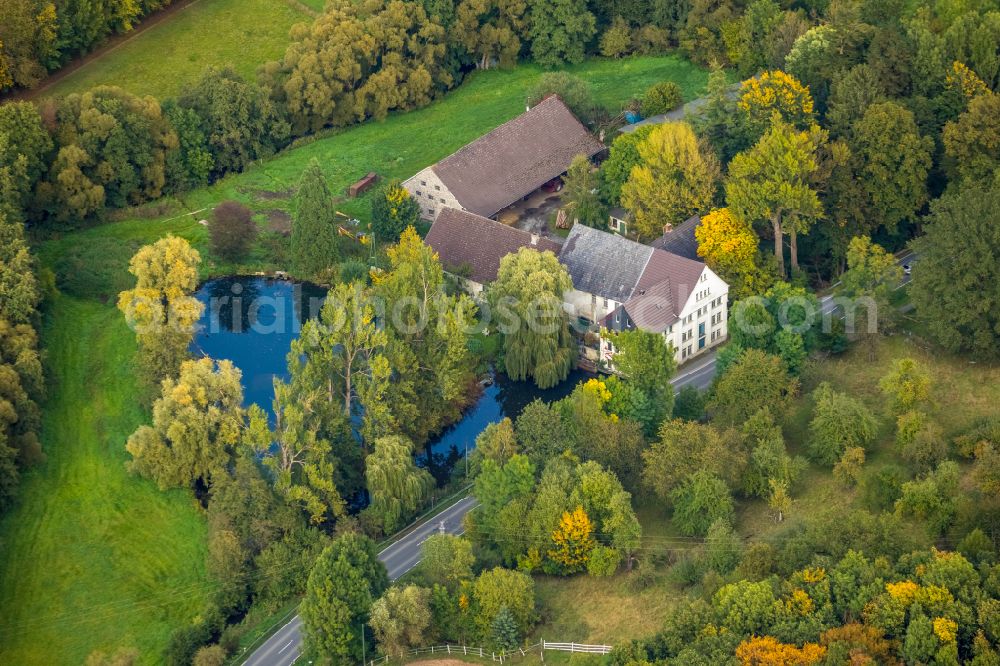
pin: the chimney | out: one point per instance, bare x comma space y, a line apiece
601, 136
667, 228
534, 239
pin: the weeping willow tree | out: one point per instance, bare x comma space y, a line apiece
526, 301
396, 485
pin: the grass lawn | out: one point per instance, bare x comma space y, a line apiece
93, 557
159, 61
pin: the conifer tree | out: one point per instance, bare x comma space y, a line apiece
315, 244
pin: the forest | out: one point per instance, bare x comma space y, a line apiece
830, 136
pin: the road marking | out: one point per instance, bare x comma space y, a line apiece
286, 646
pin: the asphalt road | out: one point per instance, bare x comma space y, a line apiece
284, 646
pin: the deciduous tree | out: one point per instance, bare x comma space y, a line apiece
343, 584
580, 194
397, 485
647, 362
676, 177
972, 141
161, 308
774, 94
197, 424
527, 298
958, 255
617, 39
871, 276
502, 588
491, 30
895, 160
730, 248
572, 541
699, 501
839, 422
755, 380
622, 157
559, 31
400, 618
772, 182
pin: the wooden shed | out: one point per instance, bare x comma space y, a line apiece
362, 185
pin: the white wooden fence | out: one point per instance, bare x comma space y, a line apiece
483, 653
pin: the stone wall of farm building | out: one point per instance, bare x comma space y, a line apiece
432, 195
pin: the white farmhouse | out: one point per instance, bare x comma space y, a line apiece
619, 284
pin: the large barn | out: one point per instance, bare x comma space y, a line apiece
503, 167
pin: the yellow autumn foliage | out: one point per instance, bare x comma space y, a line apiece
573, 540
962, 78
768, 651
946, 630
775, 92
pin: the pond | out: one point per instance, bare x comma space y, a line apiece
252, 321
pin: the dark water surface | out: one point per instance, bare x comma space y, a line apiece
252, 322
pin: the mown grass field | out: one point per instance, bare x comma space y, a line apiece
94, 558
159, 61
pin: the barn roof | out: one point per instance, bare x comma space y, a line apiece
515, 159
465, 240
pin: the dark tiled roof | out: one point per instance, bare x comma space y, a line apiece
680, 276
465, 240
653, 309
603, 264
680, 240
653, 284
516, 158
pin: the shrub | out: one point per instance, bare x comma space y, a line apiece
921, 441
617, 39
883, 487
723, 547
661, 97
603, 561
839, 423
231, 230
848, 468
353, 270
702, 499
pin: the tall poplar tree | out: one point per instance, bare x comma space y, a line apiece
771, 182
315, 243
